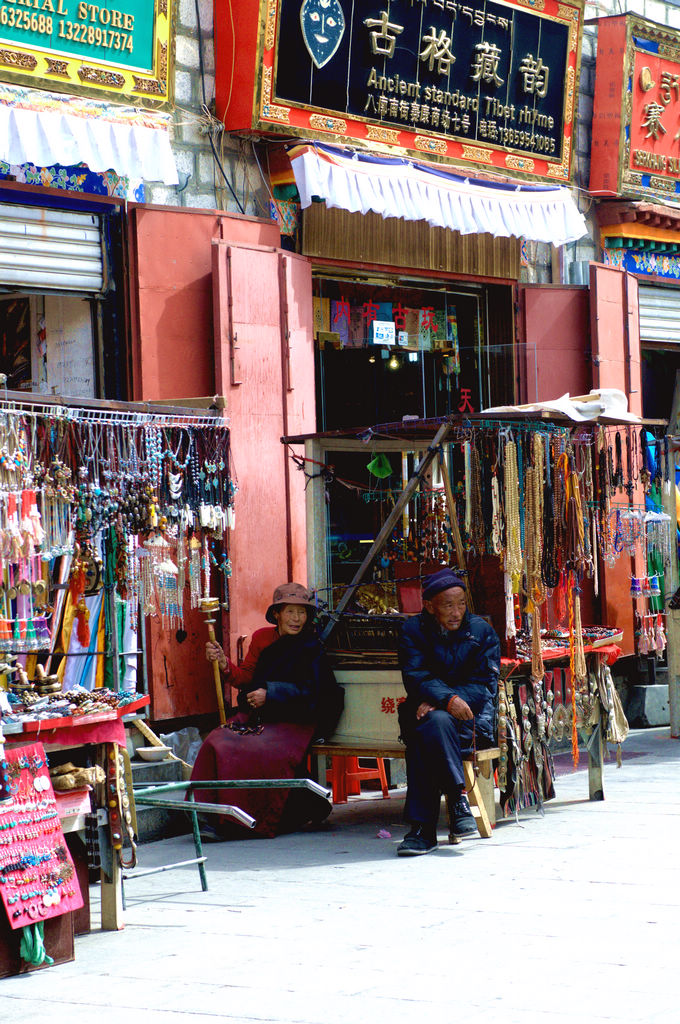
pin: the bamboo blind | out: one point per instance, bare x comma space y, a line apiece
370, 238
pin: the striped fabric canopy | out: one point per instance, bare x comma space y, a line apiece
395, 187
46, 128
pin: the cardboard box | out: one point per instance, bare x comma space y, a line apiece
73, 802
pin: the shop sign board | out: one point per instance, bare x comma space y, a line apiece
489, 83
383, 332
636, 113
114, 49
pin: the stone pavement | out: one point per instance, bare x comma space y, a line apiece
567, 917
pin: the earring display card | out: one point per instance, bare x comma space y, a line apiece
37, 875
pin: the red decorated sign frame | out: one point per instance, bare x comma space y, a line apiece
247, 71
636, 117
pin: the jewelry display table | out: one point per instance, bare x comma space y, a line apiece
369, 727
104, 731
531, 715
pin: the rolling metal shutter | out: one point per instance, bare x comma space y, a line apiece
659, 315
50, 249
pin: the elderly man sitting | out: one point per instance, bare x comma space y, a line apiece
450, 662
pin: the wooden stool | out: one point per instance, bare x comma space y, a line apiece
346, 775
480, 793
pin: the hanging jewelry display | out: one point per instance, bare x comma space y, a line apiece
93, 494
513, 555
657, 537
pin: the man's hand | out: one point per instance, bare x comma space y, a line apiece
256, 698
423, 709
214, 652
458, 708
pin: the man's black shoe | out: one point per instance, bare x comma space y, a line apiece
418, 841
463, 823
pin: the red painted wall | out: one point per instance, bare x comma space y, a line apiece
236, 27
183, 313
607, 113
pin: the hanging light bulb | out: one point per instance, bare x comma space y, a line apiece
393, 363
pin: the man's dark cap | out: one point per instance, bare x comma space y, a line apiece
438, 581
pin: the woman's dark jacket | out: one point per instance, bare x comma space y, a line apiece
436, 664
296, 673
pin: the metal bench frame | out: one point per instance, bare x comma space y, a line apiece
158, 796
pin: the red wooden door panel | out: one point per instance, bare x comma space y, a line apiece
171, 286
254, 406
616, 364
265, 368
299, 395
555, 330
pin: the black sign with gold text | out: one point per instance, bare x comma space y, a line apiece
486, 73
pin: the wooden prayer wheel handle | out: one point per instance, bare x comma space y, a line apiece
209, 605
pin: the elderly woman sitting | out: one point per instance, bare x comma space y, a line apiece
287, 697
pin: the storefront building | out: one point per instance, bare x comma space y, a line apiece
386, 231
411, 261
421, 213
635, 175
104, 296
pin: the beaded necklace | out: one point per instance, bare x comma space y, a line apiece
534, 523
496, 517
467, 477
478, 538
513, 549
550, 570
617, 481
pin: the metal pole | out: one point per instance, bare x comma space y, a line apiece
455, 532
388, 526
200, 859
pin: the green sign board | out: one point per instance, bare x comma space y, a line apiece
116, 45
120, 34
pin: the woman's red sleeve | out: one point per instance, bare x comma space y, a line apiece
242, 675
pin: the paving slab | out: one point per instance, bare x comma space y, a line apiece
569, 915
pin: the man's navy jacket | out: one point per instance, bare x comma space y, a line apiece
437, 663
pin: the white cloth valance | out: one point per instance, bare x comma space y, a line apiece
400, 188
46, 129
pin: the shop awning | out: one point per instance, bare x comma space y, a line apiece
395, 187
44, 129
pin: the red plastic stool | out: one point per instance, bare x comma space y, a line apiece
346, 775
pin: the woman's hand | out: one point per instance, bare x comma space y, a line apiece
214, 652
256, 698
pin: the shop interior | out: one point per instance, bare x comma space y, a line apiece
47, 344
660, 367
388, 347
